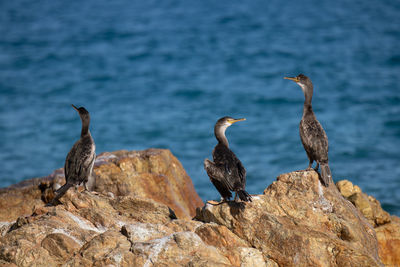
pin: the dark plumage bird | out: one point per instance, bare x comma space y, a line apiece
313, 136
226, 172
80, 159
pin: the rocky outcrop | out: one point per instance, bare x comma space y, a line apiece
141, 215
152, 174
387, 227
298, 222
100, 230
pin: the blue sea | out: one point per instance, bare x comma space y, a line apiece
160, 73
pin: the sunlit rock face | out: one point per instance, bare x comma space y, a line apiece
142, 215
387, 227
298, 222
153, 173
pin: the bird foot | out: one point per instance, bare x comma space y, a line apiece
309, 169
215, 203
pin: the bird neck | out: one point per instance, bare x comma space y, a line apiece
219, 132
308, 94
85, 128
307, 109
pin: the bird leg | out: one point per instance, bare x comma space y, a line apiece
235, 199
316, 167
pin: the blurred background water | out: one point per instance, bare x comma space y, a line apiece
160, 73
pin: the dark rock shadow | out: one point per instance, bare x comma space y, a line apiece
236, 207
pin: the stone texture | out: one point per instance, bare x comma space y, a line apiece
297, 222
387, 227
368, 205
20, 199
151, 174
119, 231
389, 242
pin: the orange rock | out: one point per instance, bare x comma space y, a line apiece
387, 227
152, 174
298, 222
389, 242
140, 216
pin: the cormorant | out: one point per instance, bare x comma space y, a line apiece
226, 172
313, 136
80, 159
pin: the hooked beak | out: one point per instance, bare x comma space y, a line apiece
295, 79
236, 120
75, 107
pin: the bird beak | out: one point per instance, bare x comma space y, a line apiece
75, 107
295, 79
236, 120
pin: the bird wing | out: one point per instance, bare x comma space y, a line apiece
69, 166
217, 172
79, 163
230, 167
241, 171
314, 139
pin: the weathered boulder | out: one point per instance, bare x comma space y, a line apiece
298, 222
387, 227
151, 174
98, 230
389, 242
141, 216
20, 199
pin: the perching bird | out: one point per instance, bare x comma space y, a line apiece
226, 172
80, 159
312, 134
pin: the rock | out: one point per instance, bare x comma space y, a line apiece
297, 222
347, 189
178, 249
20, 199
252, 257
368, 205
387, 227
60, 245
101, 234
151, 174
389, 242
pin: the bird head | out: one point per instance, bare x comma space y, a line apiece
228, 121
302, 80
83, 113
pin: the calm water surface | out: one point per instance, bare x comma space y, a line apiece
160, 73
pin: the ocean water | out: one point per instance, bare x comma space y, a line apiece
160, 73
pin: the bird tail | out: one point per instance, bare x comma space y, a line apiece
60, 192
326, 174
244, 196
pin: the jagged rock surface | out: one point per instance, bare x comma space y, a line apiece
100, 230
296, 222
387, 227
153, 173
